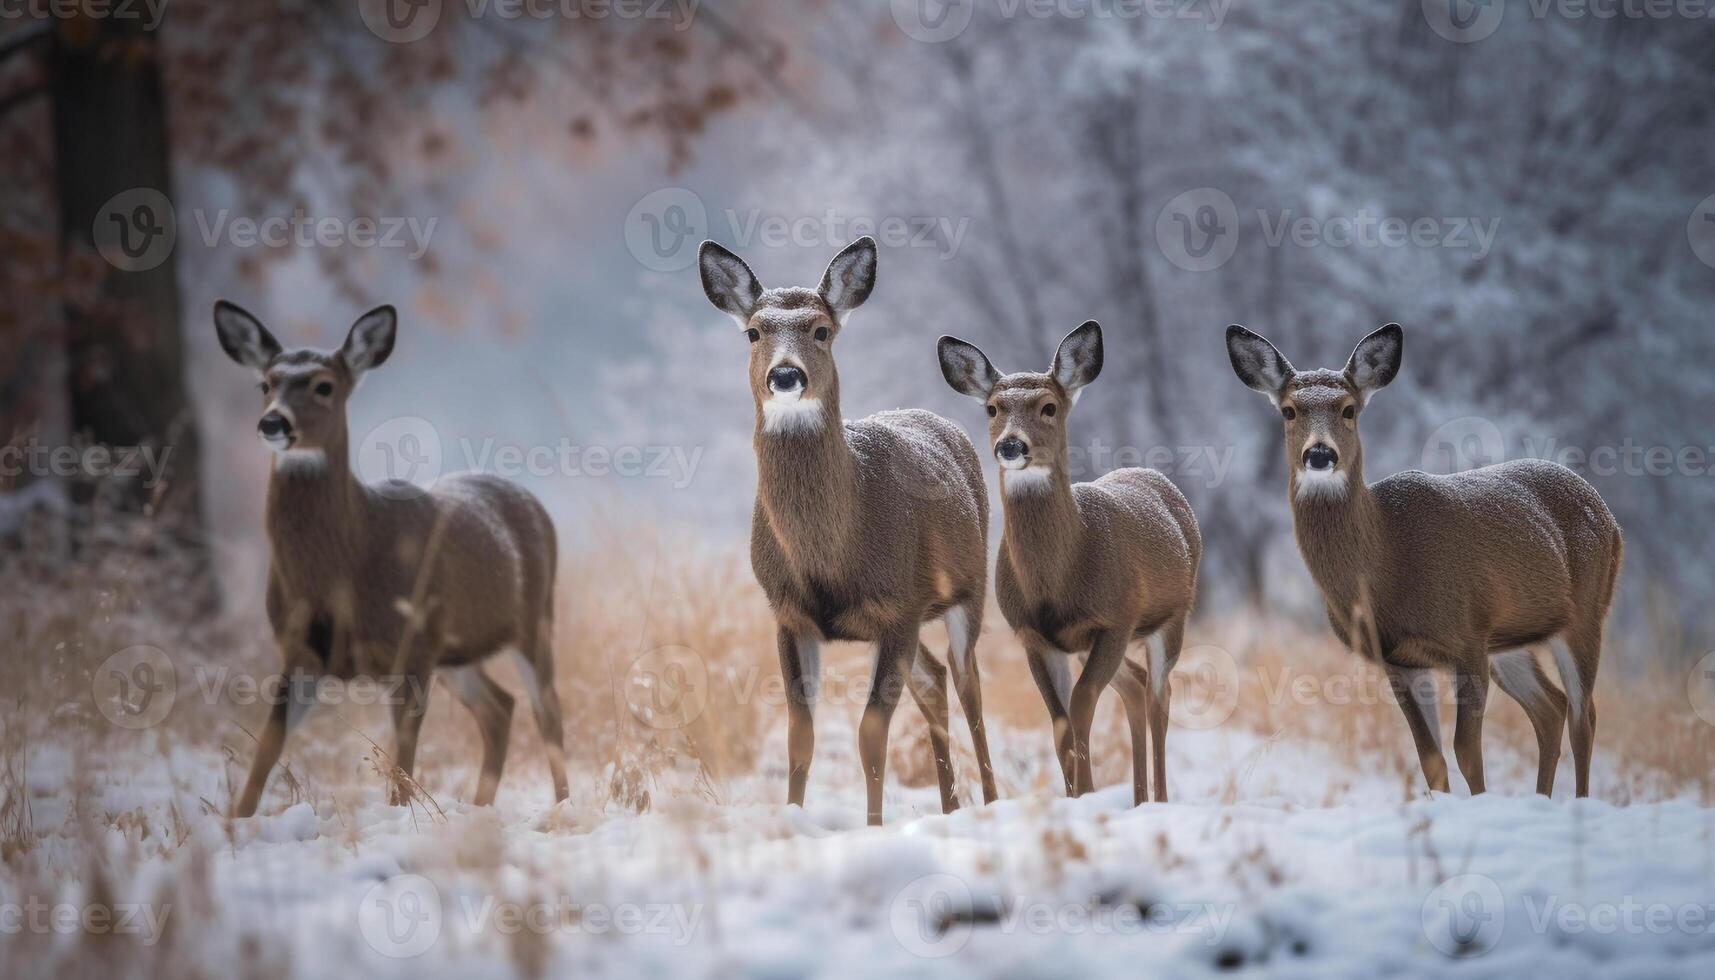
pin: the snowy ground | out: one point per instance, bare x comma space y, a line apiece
1275, 859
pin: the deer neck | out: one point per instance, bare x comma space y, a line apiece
807, 485
314, 516
1044, 535
1343, 541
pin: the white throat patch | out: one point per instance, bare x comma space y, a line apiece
791, 414
1328, 485
1031, 479
300, 461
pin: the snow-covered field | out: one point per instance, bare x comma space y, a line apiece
1274, 858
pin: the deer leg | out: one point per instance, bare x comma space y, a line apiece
1053, 677
294, 705
893, 660
1471, 695
492, 707
1132, 682
1106, 653
538, 675
801, 668
928, 681
1164, 649
1518, 674
410, 705
963, 625
1414, 691
1576, 654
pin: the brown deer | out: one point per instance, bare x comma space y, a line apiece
391, 581
862, 530
1084, 567
1468, 572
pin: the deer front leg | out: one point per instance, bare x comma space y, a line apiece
1054, 680
801, 669
411, 703
1414, 691
893, 661
1104, 661
295, 699
1471, 693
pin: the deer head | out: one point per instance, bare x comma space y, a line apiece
304, 391
791, 331
1320, 407
1027, 411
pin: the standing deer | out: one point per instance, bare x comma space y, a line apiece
1466, 572
1086, 567
862, 530
391, 581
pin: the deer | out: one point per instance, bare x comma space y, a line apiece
861, 530
1470, 573
1089, 569
391, 581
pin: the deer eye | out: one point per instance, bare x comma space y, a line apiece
754, 334
263, 387
821, 333
1350, 412
324, 389
1289, 412
993, 411
1048, 410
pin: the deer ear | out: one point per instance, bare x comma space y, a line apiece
370, 341
850, 277
243, 337
727, 281
966, 368
1375, 360
1079, 359
1256, 361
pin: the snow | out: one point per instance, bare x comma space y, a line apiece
1274, 858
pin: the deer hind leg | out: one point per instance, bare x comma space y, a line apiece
1518, 673
1414, 691
963, 625
1164, 647
537, 673
801, 668
1106, 655
1053, 677
1132, 682
491, 706
1576, 654
928, 681
894, 656
1471, 695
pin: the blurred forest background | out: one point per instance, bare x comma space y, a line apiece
1527, 187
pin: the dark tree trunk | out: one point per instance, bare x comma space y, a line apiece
126, 368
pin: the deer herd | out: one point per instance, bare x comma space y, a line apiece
866, 530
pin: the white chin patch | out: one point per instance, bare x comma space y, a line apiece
1328, 484
301, 460
1030, 479
791, 412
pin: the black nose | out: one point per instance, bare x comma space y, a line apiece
274, 426
1320, 457
1010, 448
785, 378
